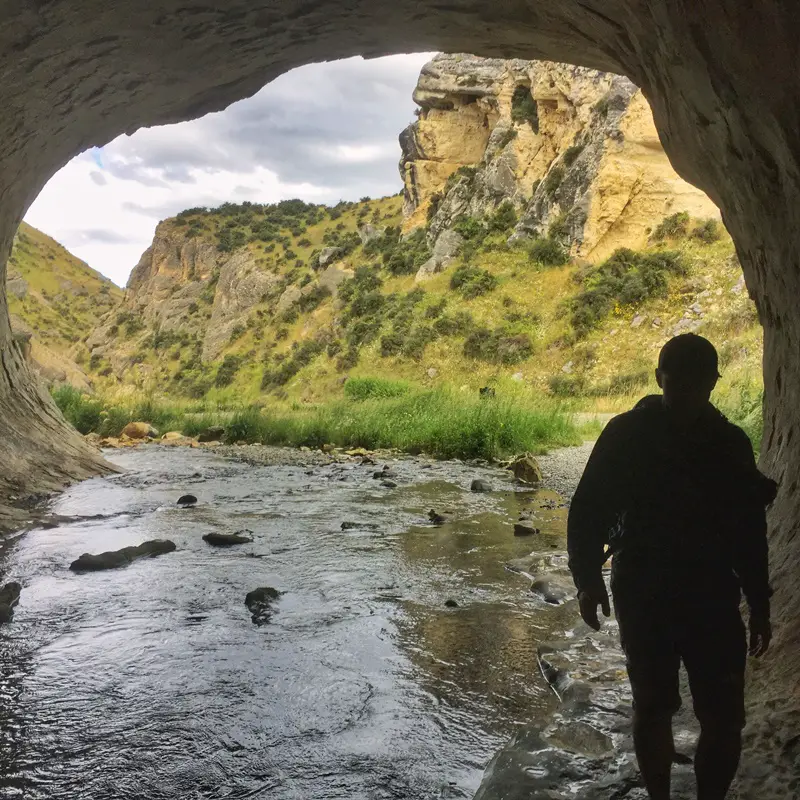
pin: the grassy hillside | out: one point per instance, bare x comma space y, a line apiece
55, 294
522, 318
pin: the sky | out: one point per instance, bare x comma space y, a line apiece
325, 132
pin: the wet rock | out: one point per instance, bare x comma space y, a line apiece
436, 518
389, 484
187, 500
259, 603
526, 469
139, 430
227, 539
212, 434
9, 597
450, 603
121, 558
365, 526
523, 529
580, 737
386, 472
480, 485
553, 589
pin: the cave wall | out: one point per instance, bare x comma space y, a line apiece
721, 77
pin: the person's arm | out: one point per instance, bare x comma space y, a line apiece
750, 552
594, 510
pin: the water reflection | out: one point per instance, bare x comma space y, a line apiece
153, 682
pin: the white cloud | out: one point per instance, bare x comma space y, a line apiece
324, 132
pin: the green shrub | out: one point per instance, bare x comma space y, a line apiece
571, 155
508, 136
675, 226
627, 382
230, 238
707, 231
471, 282
227, 370
503, 219
433, 205
567, 385
360, 389
553, 180
416, 342
627, 278
548, 252
473, 230
303, 355
459, 324
434, 311
392, 343
497, 347
524, 108
313, 299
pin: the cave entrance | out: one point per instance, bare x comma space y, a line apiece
75, 77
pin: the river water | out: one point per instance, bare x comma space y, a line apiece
153, 682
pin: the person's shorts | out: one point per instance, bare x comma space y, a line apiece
712, 644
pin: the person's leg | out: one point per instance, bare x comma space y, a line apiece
652, 739
717, 758
715, 660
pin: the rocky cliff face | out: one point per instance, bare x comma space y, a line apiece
182, 284
574, 150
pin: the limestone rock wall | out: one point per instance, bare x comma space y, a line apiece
183, 284
564, 144
720, 76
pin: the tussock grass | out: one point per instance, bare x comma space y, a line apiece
379, 414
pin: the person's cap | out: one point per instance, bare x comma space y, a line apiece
689, 354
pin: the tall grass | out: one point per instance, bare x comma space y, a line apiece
443, 423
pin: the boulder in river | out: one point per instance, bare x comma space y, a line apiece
436, 518
9, 597
450, 603
480, 485
212, 434
227, 539
553, 589
139, 430
388, 484
526, 469
121, 558
523, 529
259, 603
187, 500
364, 526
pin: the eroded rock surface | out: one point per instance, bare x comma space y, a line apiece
720, 76
573, 149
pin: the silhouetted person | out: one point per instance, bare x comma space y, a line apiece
672, 488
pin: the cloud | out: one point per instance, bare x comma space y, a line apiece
323, 132
102, 236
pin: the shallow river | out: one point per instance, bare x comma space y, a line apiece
153, 682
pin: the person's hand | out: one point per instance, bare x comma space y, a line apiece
589, 600
760, 635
